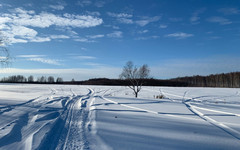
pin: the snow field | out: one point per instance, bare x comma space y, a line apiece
109, 117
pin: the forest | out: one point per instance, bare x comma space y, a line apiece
230, 80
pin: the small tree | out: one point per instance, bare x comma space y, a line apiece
42, 79
135, 76
51, 79
59, 80
31, 79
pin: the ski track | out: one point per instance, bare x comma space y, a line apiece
38, 116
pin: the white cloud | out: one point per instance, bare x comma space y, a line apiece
45, 61
175, 19
163, 26
40, 58
93, 13
143, 31
229, 11
125, 20
22, 32
41, 39
83, 48
57, 7
95, 36
100, 3
122, 17
59, 37
115, 34
30, 56
179, 35
43, 20
148, 37
220, 20
195, 16
17, 24
84, 57
146, 20
84, 40
84, 3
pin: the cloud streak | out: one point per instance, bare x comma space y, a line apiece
40, 58
179, 35
229, 11
115, 34
220, 20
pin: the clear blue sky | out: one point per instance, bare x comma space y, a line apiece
83, 39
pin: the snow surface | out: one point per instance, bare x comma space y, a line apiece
110, 118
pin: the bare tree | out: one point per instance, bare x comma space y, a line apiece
4, 53
51, 79
42, 79
135, 76
30, 79
59, 80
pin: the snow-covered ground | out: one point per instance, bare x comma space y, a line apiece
110, 118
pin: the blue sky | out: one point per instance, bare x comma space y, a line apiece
83, 39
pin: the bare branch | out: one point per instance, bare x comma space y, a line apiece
135, 76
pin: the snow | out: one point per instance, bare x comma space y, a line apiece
110, 118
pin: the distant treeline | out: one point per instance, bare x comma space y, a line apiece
231, 80
106, 81
30, 79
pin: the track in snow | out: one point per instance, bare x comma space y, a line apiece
39, 124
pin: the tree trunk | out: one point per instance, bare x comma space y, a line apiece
136, 94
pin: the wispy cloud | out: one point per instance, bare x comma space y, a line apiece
84, 57
146, 20
30, 56
163, 26
175, 19
195, 16
57, 7
84, 40
143, 31
40, 58
45, 61
122, 17
93, 13
99, 3
220, 20
115, 34
84, 3
96, 36
147, 37
179, 35
59, 37
229, 11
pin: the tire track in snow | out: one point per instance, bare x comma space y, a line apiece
78, 122
215, 123
66, 132
186, 101
145, 110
